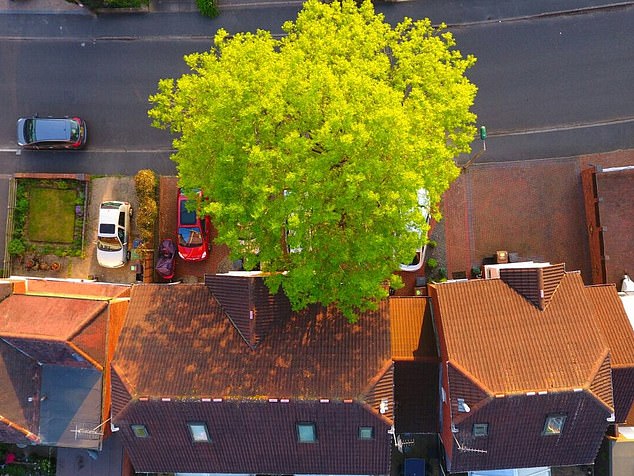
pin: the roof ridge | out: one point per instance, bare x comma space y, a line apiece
377, 378
468, 375
30, 435
86, 356
85, 323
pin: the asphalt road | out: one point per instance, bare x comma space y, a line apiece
550, 86
555, 86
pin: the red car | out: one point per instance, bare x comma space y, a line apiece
193, 232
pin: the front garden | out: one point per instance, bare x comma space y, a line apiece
48, 220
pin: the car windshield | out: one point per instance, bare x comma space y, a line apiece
106, 228
74, 131
187, 217
109, 243
29, 131
190, 237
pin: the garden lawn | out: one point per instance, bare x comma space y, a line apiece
51, 215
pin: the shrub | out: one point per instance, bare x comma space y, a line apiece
145, 184
16, 247
432, 263
147, 214
207, 7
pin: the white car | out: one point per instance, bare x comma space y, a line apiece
113, 234
419, 259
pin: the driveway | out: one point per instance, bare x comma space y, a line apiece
187, 271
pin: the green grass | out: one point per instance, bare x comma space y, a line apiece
51, 215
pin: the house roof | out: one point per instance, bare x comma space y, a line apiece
178, 342
505, 344
411, 329
614, 324
518, 351
181, 359
68, 287
53, 350
19, 380
56, 318
617, 330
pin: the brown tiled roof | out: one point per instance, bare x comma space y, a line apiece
510, 346
256, 437
536, 284
180, 359
614, 323
178, 342
246, 300
513, 364
515, 432
411, 329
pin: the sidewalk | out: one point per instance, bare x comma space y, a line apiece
451, 12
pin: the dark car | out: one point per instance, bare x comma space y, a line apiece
193, 231
51, 132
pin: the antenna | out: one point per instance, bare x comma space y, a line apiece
465, 449
85, 431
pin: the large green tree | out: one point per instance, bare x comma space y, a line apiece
311, 148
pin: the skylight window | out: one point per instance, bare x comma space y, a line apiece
554, 424
140, 431
366, 432
199, 432
480, 429
306, 433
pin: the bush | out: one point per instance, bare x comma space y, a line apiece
207, 7
147, 214
432, 263
145, 184
16, 247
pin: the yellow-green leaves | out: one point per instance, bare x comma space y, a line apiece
312, 148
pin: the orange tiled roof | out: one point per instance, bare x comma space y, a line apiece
46, 317
411, 329
614, 323
87, 289
507, 345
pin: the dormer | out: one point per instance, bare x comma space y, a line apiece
246, 299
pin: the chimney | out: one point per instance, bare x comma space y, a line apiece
536, 283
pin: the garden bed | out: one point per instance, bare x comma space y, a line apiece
48, 219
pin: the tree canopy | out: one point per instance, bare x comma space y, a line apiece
311, 148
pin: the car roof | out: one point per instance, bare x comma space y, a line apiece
51, 129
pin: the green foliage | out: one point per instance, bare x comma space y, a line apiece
16, 247
311, 149
100, 4
145, 184
49, 208
207, 7
432, 263
52, 214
